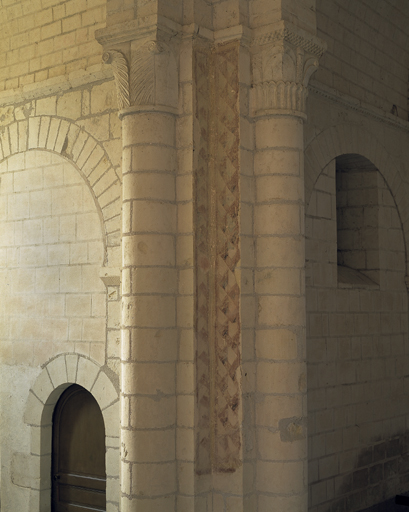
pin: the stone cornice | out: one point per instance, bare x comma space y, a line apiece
238, 32
282, 31
133, 30
285, 31
56, 85
354, 104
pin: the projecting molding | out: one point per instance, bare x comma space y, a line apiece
110, 276
351, 103
141, 28
287, 32
56, 85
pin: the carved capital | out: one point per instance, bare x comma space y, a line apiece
154, 76
283, 62
146, 80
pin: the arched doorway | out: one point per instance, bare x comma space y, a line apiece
78, 458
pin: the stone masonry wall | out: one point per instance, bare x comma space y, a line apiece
60, 226
357, 346
357, 339
46, 39
365, 57
52, 250
61, 195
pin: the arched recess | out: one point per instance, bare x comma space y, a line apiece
333, 372
72, 142
56, 376
352, 139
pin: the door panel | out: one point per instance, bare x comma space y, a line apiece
78, 469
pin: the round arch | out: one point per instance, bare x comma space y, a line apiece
74, 143
56, 376
353, 139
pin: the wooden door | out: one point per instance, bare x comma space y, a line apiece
78, 462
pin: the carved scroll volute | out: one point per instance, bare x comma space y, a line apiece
152, 79
281, 72
120, 69
154, 75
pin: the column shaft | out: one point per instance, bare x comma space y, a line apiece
281, 476
149, 336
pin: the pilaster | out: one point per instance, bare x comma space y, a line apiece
217, 185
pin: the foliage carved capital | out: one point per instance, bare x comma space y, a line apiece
148, 78
283, 62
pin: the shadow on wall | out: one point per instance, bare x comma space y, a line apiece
357, 340
382, 469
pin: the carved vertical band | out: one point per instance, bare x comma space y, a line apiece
217, 257
227, 308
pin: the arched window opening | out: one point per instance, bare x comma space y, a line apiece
358, 186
